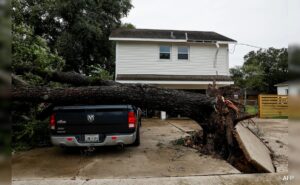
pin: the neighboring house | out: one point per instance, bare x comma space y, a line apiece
288, 88
172, 58
282, 88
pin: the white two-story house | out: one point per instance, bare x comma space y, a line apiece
172, 58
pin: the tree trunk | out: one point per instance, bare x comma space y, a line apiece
212, 113
173, 101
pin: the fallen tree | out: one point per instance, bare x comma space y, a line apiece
140, 95
216, 115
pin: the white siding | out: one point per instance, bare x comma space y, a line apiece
293, 90
282, 90
143, 58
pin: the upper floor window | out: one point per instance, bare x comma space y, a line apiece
164, 52
183, 53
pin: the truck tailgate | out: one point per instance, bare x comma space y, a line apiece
92, 120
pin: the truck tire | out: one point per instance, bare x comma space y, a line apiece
137, 139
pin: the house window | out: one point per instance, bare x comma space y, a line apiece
183, 53
165, 52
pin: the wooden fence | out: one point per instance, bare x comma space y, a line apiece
272, 106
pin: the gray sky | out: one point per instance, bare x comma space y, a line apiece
256, 22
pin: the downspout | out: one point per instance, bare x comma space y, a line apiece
216, 55
117, 58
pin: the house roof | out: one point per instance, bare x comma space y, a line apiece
289, 82
191, 36
286, 83
154, 77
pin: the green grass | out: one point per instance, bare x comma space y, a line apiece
251, 109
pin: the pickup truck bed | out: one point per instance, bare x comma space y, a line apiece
95, 125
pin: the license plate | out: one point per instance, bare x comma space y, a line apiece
91, 138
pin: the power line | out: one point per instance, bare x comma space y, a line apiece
249, 45
231, 52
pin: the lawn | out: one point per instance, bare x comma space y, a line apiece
251, 109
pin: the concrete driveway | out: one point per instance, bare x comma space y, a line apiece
155, 157
235, 179
274, 132
155, 161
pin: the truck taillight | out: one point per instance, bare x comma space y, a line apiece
52, 121
131, 119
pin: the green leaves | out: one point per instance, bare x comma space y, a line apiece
33, 133
262, 70
97, 72
60, 35
77, 30
31, 50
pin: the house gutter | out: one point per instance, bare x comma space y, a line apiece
171, 40
147, 39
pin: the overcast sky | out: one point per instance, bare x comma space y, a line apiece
262, 23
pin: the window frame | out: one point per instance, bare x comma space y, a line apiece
164, 59
188, 53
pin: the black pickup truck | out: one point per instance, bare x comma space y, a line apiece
95, 125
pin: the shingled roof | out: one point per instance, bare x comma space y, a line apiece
194, 36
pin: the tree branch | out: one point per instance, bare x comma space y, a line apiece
73, 78
18, 81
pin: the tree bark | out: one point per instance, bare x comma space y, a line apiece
173, 101
196, 106
216, 118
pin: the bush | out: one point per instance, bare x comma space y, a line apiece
32, 134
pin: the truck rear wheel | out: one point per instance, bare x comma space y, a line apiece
137, 139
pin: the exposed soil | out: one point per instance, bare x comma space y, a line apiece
273, 132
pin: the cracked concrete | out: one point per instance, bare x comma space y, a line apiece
275, 136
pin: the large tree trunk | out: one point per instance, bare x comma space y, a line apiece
173, 101
194, 105
213, 114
